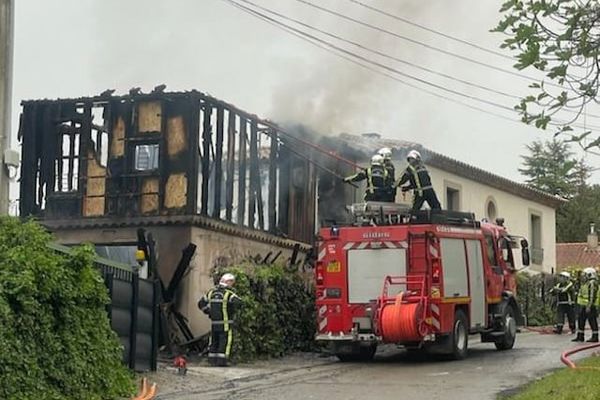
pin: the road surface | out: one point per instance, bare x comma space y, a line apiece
392, 375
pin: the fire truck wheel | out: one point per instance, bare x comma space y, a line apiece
509, 325
359, 353
459, 338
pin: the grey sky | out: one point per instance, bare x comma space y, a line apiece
71, 48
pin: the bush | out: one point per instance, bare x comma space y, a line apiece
535, 300
55, 337
278, 312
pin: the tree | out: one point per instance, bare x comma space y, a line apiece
573, 218
561, 38
551, 167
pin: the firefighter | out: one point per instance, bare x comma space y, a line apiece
386, 153
587, 301
420, 183
377, 180
565, 294
221, 304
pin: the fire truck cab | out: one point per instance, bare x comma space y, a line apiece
424, 280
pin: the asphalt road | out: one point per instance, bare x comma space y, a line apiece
392, 375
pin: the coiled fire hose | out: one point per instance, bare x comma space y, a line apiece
399, 321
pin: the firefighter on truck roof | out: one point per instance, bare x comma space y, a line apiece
386, 153
420, 183
221, 304
587, 300
377, 180
565, 294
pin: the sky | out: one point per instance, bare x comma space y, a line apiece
73, 48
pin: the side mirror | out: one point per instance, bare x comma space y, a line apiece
524, 244
525, 256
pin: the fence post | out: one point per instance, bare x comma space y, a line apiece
108, 281
135, 288
155, 323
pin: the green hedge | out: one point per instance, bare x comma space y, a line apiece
278, 312
535, 300
55, 337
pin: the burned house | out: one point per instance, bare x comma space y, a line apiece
185, 166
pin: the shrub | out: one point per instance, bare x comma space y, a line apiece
535, 300
55, 337
278, 312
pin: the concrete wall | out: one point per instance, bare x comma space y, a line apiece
214, 248
516, 211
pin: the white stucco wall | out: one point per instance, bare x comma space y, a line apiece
515, 210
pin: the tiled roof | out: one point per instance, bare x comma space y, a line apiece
370, 143
576, 254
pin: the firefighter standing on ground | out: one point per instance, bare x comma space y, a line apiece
386, 153
420, 183
377, 180
587, 299
221, 304
565, 294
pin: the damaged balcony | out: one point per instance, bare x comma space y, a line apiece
163, 156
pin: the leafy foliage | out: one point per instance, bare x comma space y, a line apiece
55, 337
278, 312
551, 167
573, 218
560, 38
535, 299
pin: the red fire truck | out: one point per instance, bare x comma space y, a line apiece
424, 280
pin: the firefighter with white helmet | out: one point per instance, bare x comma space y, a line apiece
377, 179
419, 182
220, 304
565, 294
386, 153
587, 300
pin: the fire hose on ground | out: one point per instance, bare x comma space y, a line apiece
146, 392
564, 357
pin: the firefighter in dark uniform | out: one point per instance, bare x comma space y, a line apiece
377, 180
588, 307
221, 304
386, 153
565, 294
420, 183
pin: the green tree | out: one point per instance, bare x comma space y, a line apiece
573, 218
561, 38
551, 166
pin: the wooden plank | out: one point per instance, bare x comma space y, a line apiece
230, 165
253, 173
218, 162
206, 136
193, 133
242, 173
271, 202
71, 158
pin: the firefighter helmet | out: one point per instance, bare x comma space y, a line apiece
565, 274
590, 273
414, 155
227, 279
377, 159
385, 152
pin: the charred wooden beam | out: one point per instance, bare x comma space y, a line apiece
254, 178
206, 136
193, 133
242, 173
284, 188
218, 162
230, 165
273, 182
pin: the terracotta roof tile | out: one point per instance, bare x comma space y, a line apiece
576, 254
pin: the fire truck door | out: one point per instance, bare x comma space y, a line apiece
476, 283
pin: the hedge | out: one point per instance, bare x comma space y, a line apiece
55, 337
278, 312
535, 300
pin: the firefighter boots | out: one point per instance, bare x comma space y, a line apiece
593, 339
579, 338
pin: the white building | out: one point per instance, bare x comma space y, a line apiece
461, 187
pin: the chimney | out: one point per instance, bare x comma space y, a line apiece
592, 239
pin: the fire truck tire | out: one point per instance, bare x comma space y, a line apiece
509, 325
459, 338
359, 353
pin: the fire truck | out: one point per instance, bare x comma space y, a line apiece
424, 280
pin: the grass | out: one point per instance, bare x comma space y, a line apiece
565, 384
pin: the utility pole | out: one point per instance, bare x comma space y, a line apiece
6, 60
